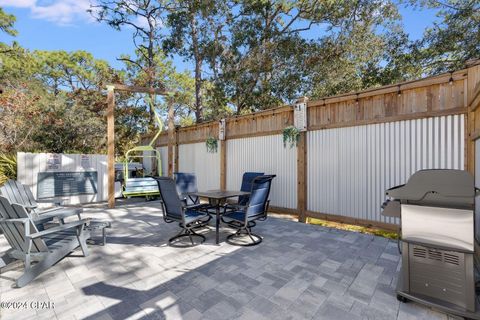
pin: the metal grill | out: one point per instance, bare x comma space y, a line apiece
438, 246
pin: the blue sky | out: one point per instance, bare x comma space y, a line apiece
64, 25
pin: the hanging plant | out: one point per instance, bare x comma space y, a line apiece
212, 145
291, 135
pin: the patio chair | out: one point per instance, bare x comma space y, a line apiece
246, 186
255, 209
31, 245
16, 192
187, 183
175, 210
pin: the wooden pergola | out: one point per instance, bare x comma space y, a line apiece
111, 130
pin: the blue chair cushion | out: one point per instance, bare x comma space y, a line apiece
246, 186
192, 215
236, 215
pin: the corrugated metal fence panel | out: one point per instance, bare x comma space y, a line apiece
164, 159
193, 157
148, 163
264, 154
349, 169
477, 184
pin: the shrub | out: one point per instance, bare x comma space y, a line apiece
8, 167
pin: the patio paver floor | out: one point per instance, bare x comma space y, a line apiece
299, 271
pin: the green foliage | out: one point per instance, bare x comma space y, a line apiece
73, 71
6, 23
246, 55
69, 129
145, 19
16, 63
453, 39
8, 167
291, 136
211, 144
21, 104
350, 227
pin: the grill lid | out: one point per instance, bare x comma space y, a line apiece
437, 187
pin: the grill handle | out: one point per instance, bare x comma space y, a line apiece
391, 208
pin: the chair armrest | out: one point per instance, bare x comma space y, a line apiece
59, 213
21, 220
56, 203
197, 206
62, 227
39, 219
235, 207
49, 209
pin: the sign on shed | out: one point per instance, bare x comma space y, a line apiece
60, 184
54, 161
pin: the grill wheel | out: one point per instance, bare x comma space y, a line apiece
402, 299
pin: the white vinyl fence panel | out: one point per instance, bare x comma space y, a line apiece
29, 165
264, 154
350, 168
194, 158
148, 163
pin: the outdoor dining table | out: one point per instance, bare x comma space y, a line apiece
216, 198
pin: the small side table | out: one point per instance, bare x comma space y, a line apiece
100, 225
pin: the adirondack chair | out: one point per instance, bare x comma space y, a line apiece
45, 247
16, 192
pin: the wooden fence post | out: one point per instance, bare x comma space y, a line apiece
472, 91
176, 166
302, 172
223, 164
470, 142
222, 136
171, 136
111, 145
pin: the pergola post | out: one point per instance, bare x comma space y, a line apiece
111, 130
171, 136
111, 145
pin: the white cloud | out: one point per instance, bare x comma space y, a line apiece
18, 3
63, 12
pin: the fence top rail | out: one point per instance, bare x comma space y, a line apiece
387, 89
392, 88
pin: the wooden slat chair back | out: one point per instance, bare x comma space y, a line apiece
15, 232
16, 192
21, 194
31, 244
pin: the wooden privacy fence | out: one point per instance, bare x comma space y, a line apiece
355, 147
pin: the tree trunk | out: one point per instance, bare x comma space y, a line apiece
198, 68
151, 73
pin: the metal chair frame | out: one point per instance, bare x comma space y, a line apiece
187, 228
245, 227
